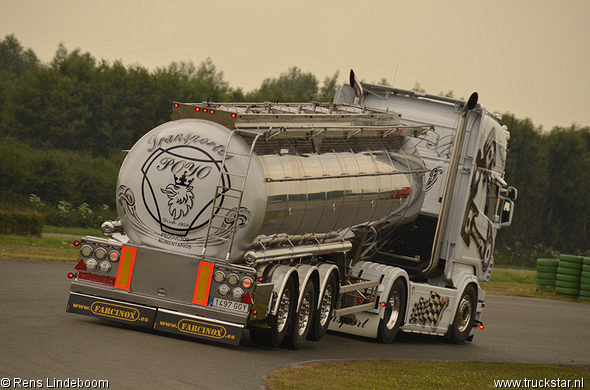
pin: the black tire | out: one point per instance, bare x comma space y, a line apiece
302, 319
464, 317
586, 267
546, 269
323, 315
586, 260
395, 307
279, 323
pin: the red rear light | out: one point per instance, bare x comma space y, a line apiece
197, 109
175, 105
71, 275
212, 112
76, 243
480, 326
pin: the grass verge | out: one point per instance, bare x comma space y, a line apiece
55, 244
390, 375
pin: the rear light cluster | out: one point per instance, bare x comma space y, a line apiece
96, 262
232, 285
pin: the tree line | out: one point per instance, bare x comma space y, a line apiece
63, 125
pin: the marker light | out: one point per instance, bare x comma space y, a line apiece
383, 304
254, 312
105, 266
76, 243
219, 276
100, 253
260, 279
71, 275
480, 326
247, 282
233, 279
86, 250
175, 105
237, 293
91, 264
114, 256
223, 290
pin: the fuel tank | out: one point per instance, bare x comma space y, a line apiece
175, 190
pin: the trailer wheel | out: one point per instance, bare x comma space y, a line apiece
464, 317
394, 311
279, 323
323, 315
302, 319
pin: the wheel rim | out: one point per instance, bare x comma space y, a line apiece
304, 314
283, 312
464, 314
393, 305
326, 305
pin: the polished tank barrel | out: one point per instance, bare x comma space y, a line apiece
192, 184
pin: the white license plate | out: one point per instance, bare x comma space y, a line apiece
229, 305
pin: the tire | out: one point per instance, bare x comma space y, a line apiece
570, 265
568, 278
547, 262
395, 308
302, 319
573, 285
586, 260
567, 291
546, 283
464, 317
586, 268
585, 274
568, 271
323, 315
547, 269
546, 275
279, 323
572, 259
585, 293
585, 286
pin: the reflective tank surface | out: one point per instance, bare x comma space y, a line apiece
175, 191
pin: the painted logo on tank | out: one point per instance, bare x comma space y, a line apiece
177, 187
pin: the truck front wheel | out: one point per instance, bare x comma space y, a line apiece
394, 312
464, 316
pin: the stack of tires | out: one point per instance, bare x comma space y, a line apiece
569, 273
585, 280
547, 273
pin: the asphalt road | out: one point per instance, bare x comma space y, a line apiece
39, 341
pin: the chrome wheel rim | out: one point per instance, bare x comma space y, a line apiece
393, 304
464, 314
283, 312
304, 314
326, 305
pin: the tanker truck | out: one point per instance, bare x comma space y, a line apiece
374, 214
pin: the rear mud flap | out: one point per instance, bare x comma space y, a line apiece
109, 309
159, 319
199, 327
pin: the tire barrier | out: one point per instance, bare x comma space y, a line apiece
569, 275
547, 273
585, 279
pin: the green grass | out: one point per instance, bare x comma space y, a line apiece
55, 244
391, 375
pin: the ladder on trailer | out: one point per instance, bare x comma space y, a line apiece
227, 201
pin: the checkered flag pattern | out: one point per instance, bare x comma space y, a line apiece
429, 311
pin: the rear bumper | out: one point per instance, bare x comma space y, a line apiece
170, 321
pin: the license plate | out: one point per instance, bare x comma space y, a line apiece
229, 305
